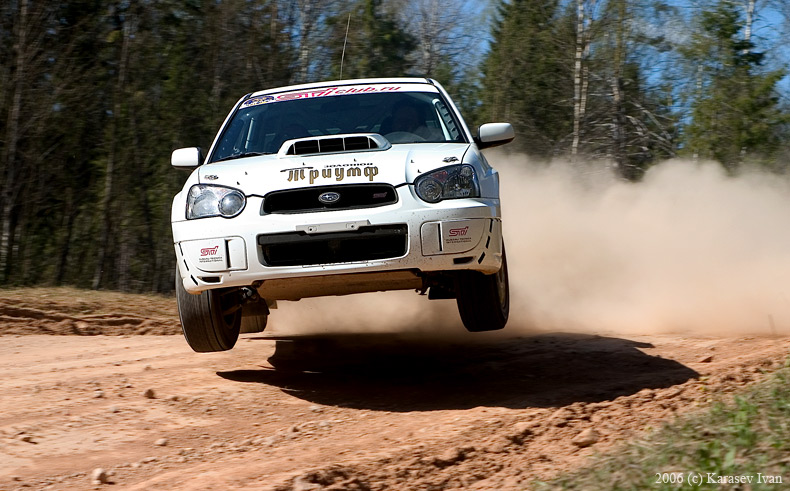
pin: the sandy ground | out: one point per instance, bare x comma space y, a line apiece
86, 385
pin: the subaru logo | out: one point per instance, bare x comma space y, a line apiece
329, 197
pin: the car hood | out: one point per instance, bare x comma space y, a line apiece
396, 165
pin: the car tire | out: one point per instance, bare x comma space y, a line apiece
254, 317
210, 320
484, 300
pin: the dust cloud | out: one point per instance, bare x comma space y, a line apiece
688, 250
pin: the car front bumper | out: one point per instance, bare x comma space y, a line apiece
410, 235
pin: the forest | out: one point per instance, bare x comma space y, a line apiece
95, 95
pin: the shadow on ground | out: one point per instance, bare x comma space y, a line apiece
390, 373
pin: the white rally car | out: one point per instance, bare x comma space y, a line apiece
337, 188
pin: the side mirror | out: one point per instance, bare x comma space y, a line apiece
186, 158
494, 134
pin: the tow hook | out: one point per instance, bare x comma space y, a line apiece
248, 295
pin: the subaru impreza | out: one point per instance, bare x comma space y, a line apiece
338, 188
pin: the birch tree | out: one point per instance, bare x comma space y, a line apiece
585, 10
626, 122
445, 33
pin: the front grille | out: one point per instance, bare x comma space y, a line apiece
364, 244
306, 200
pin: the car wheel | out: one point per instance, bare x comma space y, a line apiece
484, 300
210, 320
254, 317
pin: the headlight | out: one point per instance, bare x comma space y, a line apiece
212, 201
456, 181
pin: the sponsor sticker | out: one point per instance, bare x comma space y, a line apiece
458, 232
335, 172
209, 251
210, 255
324, 92
457, 236
257, 101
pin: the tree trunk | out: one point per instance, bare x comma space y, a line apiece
306, 8
747, 33
274, 41
219, 46
68, 223
11, 140
747, 36
618, 104
106, 205
580, 77
5, 241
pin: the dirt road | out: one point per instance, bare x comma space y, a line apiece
363, 411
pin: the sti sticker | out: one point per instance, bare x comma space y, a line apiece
208, 254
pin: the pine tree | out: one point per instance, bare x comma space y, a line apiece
376, 46
526, 75
735, 115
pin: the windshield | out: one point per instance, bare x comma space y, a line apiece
262, 124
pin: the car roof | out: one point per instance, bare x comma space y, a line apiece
338, 83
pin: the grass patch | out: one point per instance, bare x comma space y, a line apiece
748, 437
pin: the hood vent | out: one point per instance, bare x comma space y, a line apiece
334, 144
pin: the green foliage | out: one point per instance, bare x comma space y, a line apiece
527, 75
626, 122
736, 114
110, 89
376, 45
95, 94
465, 90
746, 437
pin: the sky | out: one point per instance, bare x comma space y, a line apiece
768, 30
770, 27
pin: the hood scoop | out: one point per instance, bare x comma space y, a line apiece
363, 142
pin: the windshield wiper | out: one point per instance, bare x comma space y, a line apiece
242, 155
